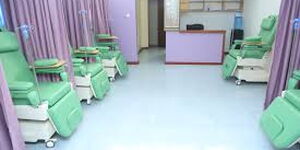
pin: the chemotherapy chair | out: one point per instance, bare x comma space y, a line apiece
43, 108
281, 120
249, 59
113, 60
90, 77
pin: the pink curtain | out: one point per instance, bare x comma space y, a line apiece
10, 133
49, 36
287, 50
84, 18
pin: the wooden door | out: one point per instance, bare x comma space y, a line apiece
161, 32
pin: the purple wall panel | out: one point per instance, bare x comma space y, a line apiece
194, 47
122, 17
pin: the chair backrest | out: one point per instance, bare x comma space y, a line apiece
268, 29
13, 60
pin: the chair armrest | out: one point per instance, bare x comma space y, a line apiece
48, 63
20, 86
47, 66
87, 50
103, 49
77, 61
25, 91
256, 47
43, 63
238, 41
255, 39
106, 37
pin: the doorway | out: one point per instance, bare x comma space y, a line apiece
156, 23
152, 40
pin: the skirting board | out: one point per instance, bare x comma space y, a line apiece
133, 63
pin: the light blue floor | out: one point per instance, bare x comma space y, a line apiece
160, 107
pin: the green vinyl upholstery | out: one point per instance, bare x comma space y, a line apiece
64, 107
99, 77
281, 120
121, 62
252, 47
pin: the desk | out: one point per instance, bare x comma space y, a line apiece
195, 47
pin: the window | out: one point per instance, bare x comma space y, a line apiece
2, 23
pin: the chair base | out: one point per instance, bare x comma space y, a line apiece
252, 70
34, 130
35, 123
84, 88
252, 75
110, 66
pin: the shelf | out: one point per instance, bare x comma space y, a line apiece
211, 5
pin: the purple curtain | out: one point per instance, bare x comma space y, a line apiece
287, 50
100, 16
49, 36
78, 21
10, 133
84, 18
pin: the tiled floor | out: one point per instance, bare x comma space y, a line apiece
159, 107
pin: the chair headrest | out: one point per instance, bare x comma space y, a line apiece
269, 22
9, 42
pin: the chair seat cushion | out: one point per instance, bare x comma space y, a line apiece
293, 96
93, 68
52, 92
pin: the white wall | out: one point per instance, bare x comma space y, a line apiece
255, 11
211, 21
153, 22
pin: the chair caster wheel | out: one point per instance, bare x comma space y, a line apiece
50, 143
88, 102
238, 82
112, 79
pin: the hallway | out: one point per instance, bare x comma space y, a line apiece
165, 107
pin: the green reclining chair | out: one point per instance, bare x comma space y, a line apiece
90, 77
249, 54
281, 120
43, 108
113, 59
